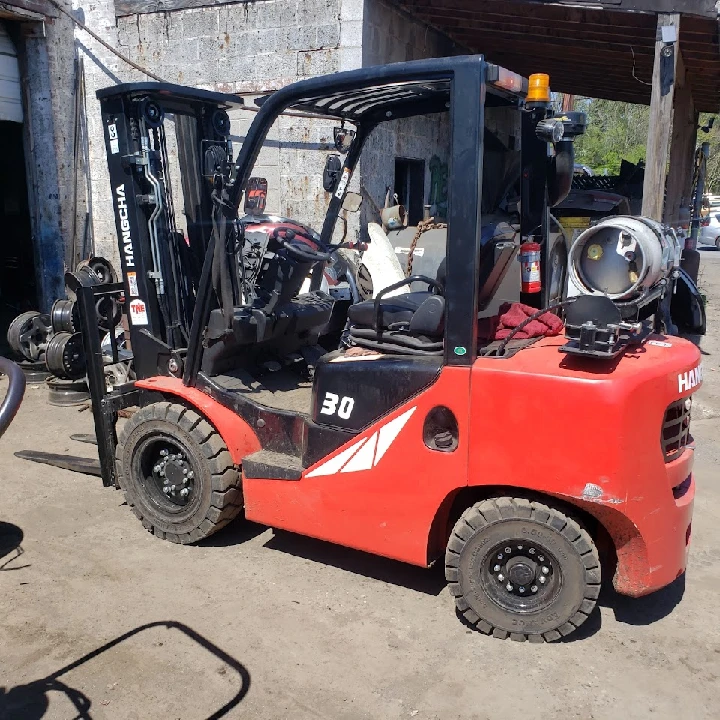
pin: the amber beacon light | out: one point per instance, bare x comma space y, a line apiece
539, 88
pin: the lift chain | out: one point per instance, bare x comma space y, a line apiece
423, 226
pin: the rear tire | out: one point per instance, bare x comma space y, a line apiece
521, 569
177, 474
717, 243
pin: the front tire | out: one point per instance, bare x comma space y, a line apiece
521, 569
717, 243
177, 474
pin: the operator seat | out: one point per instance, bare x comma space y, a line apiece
414, 324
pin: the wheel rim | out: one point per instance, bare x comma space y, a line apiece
521, 576
166, 473
30, 335
65, 356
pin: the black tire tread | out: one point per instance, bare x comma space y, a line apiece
227, 500
494, 510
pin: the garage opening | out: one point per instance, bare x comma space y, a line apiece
18, 289
410, 187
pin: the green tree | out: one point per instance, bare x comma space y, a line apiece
615, 132
712, 180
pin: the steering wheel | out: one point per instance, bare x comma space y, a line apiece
303, 253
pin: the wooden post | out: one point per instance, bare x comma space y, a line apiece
661, 113
682, 149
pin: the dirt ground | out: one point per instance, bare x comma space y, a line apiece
100, 619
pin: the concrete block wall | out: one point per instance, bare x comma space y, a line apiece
250, 47
253, 47
102, 68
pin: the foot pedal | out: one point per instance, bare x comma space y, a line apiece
272, 466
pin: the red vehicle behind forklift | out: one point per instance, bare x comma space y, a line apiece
515, 461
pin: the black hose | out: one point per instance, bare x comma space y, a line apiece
15, 393
501, 349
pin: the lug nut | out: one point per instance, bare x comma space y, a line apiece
541, 558
163, 452
520, 547
184, 492
509, 587
545, 570
185, 471
501, 577
533, 588
156, 469
496, 568
542, 579
190, 475
508, 550
166, 490
500, 556
522, 589
531, 551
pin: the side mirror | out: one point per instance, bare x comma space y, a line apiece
344, 139
256, 196
352, 202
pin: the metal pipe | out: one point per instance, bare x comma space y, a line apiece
697, 200
14, 395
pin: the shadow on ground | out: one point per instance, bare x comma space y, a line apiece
236, 533
429, 581
31, 701
644, 610
11, 537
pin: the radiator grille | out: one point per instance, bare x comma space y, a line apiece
676, 429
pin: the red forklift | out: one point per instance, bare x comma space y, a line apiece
513, 462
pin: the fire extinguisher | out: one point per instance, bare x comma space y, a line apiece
530, 267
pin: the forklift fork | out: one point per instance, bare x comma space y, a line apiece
105, 406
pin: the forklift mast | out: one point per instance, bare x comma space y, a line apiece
160, 266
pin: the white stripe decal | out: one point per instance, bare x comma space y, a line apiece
366, 453
389, 432
363, 459
334, 465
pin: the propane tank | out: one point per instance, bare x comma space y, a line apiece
622, 257
529, 258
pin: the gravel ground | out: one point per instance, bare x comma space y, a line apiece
99, 617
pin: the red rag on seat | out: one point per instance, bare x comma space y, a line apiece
511, 315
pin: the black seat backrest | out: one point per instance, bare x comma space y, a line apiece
429, 318
495, 258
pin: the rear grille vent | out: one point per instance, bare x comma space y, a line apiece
676, 429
